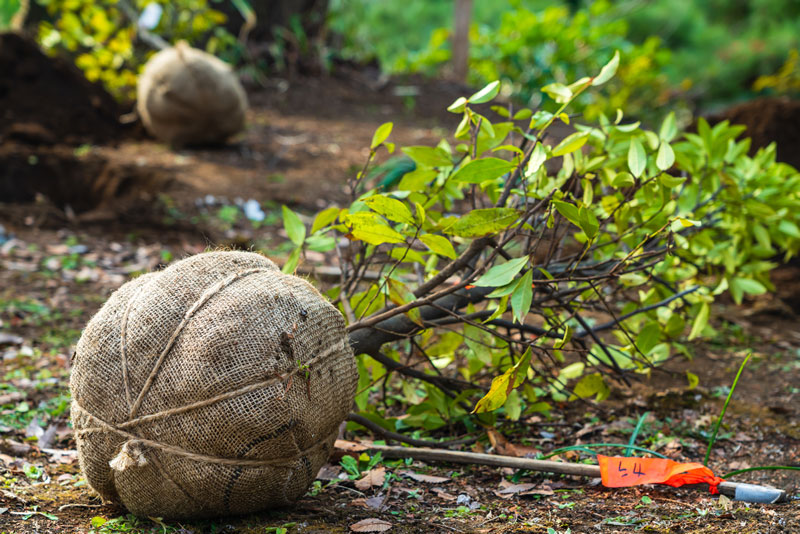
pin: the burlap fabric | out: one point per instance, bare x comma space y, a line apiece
213, 387
186, 96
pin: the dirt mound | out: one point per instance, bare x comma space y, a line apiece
768, 120
82, 182
47, 100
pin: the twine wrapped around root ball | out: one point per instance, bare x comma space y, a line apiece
186, 96
213, 387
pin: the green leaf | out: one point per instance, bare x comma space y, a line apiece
481, 170
439, 245
558, 92
608, 71
648, 337
700, 321
381, 134
665, 157
538, 157
592, 384
571, 143
670, 181
569, 211
637, 158
588, 222
501, 386
458, 106
417, 180
483, 221
486, 94
295, 228
693, 380
292, 261
623, 179
668, 129
391, 208
502, 291
523, 114
324, 218
426, 156
500, 275
739, 286
369, 227
789, 228
522, 296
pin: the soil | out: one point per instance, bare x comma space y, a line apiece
769, 120
131, 205
47, 100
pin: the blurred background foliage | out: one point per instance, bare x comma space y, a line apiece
678, 55
708, 53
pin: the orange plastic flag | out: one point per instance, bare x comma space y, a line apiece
621, 471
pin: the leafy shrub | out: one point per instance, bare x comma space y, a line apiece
785, 81
545, 264
103, 37
719, 47
529, 48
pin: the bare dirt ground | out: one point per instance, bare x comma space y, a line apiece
135, 204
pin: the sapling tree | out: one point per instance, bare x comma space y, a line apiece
545, 266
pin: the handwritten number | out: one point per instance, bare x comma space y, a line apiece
637, 469
620, 468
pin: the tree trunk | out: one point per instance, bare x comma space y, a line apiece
461, 20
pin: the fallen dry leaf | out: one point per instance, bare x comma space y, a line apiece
329, 472
501, 444
424, 478
373, 477
8, 398
349, 446
371, 525
442, 494
513, 489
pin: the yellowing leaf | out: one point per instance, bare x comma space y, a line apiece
324, 218
700, 321
571, 143
501, 387
369, 227
391, 208
381, 134
483, 221
608, 71
439, 245
558, 92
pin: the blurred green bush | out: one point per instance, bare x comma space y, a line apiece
102, 37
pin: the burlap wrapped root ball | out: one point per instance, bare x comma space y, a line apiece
186, 96
213, 387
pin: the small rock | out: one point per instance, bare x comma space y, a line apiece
52, 264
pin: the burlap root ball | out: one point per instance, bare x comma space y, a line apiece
186, 96
213, 387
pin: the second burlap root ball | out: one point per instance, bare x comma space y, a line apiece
213, 387
186, 96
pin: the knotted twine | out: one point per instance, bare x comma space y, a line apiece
214, 387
